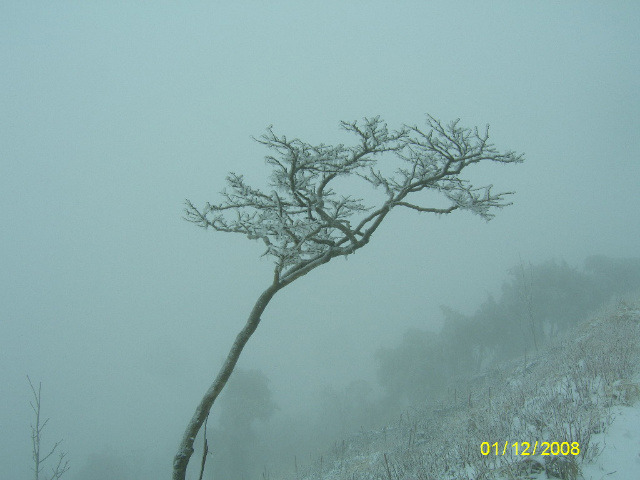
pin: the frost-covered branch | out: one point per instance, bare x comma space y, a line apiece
301, 217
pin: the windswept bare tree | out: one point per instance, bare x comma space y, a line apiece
305, 222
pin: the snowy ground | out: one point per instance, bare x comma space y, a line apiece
584, 386
620, 458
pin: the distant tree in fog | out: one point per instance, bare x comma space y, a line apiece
343, 410
536, 305
246, 399
414, 370
559, 296
615, 276
305, 221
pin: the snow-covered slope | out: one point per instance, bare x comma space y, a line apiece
620, 458
581, 393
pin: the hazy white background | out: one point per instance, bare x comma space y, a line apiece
112, 113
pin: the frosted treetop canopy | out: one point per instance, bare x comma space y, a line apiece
303, 219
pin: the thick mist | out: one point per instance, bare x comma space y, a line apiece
113, 114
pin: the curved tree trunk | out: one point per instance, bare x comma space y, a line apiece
308, 224
185, 450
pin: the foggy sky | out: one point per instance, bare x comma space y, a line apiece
112, 114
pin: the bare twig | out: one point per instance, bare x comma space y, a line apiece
36, 437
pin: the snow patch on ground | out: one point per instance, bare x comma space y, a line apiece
620, 457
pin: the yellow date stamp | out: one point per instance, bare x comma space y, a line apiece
529, 448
